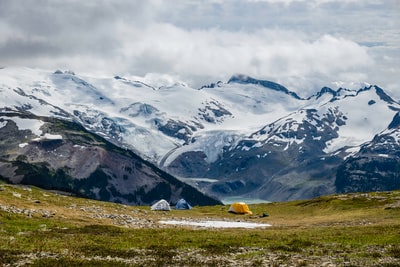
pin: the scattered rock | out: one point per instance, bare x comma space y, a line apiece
28, 212
18, 195
395, 205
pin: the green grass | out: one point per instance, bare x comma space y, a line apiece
356, 230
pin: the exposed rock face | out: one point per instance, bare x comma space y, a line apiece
67, 157
376, 167
246, 137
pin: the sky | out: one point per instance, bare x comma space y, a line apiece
302, 44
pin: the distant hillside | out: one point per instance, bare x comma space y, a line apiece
69, 158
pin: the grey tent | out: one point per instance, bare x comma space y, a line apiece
161, 205
182, 205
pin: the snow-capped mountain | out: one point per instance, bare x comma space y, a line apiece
244, 137
376, 166
62, 155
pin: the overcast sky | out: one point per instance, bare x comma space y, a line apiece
302, 44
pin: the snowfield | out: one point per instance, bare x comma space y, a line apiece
161, 118
244, 137
217, 224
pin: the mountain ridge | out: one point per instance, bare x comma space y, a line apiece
244, 79
68, 158
237, 136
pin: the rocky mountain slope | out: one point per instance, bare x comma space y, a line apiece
246, 137
376, 166
61, 155
307, 153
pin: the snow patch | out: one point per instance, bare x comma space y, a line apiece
3, 123
23, 145
216, 224
48, 136
29, 124
383, 155
79, 147
351, 151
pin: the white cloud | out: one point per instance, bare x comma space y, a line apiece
215, 53
302, 44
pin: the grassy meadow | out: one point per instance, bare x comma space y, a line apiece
44, 228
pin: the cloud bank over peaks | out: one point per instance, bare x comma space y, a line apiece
197, 55
303, 45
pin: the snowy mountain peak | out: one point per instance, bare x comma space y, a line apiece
325, 90
64, 72
212, 85
244, 79
342, 93
385, 97
253, 128
134, 83
395, 122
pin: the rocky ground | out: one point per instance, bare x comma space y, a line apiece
190, 257
141, 218
196, 257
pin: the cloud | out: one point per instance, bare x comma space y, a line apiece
302, 44
265, 53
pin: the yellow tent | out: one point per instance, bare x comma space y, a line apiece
239, 208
